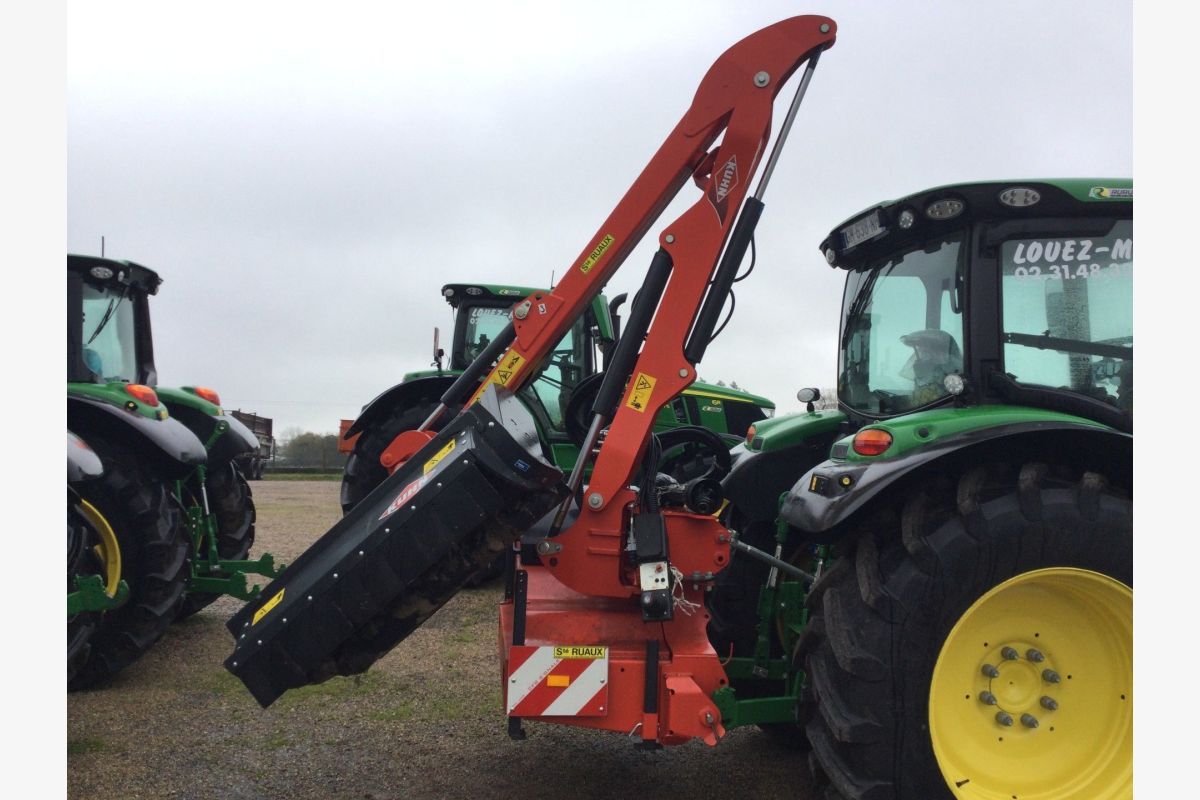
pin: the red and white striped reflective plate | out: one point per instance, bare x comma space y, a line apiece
557, 681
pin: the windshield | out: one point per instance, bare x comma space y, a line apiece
564, 368
1068, 312
109, 348
902, 330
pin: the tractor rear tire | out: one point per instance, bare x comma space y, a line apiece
889, 615
154, 549
232, 503
363, 471
81, 560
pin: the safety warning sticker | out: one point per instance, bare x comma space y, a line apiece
557, 681
639, 395
506, 370
433, 462
267, 606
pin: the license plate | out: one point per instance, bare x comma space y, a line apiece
861, 231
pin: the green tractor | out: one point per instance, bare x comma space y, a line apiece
948, 612
560, 399
180, 510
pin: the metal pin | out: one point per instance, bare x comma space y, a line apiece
987, 698
1049, 703
1004, 718
1010, 654
1050, 676
1035, 656
1029, 720
991, 671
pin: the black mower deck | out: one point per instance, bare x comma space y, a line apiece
404, 551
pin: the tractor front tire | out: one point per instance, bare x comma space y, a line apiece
154, 550
232, 503
363, 471
978, 636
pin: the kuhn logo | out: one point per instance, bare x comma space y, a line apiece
723, 182
405, 495
729, 178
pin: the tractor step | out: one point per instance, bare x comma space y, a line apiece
400, 554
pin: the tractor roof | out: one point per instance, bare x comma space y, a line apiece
877, 230
456, 293
108, 270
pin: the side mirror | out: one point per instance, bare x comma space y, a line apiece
438, 352
809, 396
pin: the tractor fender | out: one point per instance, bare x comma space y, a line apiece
168, 446
757, 479
82, 462
408, 393
236, 440
832, 492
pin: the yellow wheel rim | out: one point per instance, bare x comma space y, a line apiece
1032, 693
108, 551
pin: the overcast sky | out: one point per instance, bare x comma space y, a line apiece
306, 180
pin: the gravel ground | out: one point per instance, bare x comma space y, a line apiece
424, 722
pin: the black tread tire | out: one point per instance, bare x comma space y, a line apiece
733, 602
81, 627
232, 503
363, 471
154, 551
880, 616
733, 615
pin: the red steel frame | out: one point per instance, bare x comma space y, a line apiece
585, 594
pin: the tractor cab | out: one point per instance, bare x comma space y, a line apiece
482, 311
1000, 292
108, 321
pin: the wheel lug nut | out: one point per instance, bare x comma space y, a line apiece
987, 698
991, 671
1004, 718
1035, 656
1050, 676
1049, 703
1029, 720
1010, 654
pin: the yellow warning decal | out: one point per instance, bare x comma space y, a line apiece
576, 651
507, 369
433, 462
558, 680
596, 254
267, 606
643, 387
